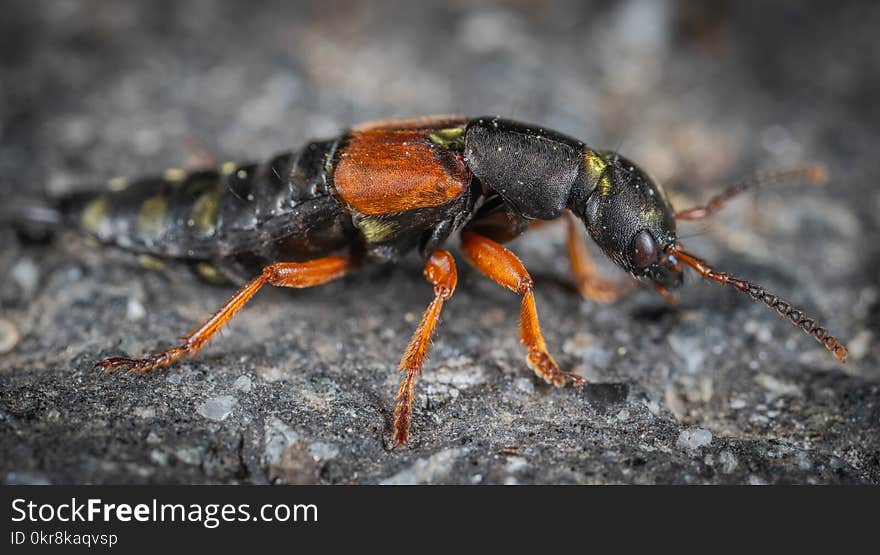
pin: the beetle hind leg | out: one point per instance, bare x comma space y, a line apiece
281, 274
440, 271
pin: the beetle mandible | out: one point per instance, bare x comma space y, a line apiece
384, 189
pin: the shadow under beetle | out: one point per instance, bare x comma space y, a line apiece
382, 189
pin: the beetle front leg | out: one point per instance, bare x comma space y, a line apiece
440, 271
281, 274
504, 268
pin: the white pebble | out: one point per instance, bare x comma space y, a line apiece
728, 462
26, 274
134, 309
860, 345
218, 408
525, 385
694, 438
243, 383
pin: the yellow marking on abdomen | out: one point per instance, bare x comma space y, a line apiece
150, 262
204, 212
211, 273
152, 214
117, 183
174, 174
228, 168
94, 214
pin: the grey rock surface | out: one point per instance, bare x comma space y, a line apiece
300, 388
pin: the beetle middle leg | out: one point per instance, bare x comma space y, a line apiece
589, 283
440, 271
281, 274
504, 268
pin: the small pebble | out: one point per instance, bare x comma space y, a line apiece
860, 345
728, 462
515, 464
158, 457
218, 408
427, 470
9, 336
134, 309
776, 386
243, 383
26, 275
526, 385
694, 438
189, 455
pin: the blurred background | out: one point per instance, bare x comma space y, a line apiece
699, 93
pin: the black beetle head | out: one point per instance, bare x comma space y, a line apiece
629, 216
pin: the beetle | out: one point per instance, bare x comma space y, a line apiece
384, 189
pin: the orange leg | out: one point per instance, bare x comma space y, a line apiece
441, 273
590, 284
281, 274
504, 268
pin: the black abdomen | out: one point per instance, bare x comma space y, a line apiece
281, 207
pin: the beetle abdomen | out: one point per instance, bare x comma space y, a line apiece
217, 213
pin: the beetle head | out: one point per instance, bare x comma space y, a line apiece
629, 216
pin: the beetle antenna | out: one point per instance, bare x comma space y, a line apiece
795, 315
812, 173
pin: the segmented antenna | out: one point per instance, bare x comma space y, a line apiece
813, 173
795, 315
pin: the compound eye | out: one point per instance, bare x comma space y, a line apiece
644, 250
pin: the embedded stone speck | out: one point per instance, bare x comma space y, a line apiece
433, 469
243, 383
218, 408
694, 438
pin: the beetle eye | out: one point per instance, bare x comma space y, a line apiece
644, 250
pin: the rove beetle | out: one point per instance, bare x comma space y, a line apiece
382, 189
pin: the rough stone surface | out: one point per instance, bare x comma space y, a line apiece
716, 390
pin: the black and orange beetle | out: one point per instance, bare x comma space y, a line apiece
383, 189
